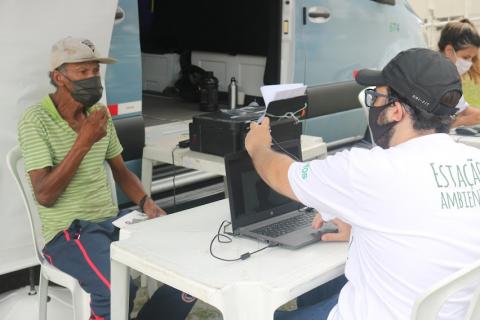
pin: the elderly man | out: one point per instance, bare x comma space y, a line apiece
65, 140
413, 202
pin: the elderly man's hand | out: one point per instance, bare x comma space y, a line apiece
152, 210
343, 233
258, 136
94, 128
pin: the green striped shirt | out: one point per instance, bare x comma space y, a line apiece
45, 139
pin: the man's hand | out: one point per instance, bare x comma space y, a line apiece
258, 136
343, 233
94, 128
152, 210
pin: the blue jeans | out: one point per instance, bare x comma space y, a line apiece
315, 304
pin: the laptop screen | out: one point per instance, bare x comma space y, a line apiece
251, 199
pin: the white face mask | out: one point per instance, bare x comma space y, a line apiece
462, 65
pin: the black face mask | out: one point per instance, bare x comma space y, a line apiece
87, 91
381, 133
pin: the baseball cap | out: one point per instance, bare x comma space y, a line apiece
72, 50
419, 76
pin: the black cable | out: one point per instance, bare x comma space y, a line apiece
174, 176
223, 238
288, 115
275, 142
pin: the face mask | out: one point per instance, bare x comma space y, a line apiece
87, 91
462, 65
381, 133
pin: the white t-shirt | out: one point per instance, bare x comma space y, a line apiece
415, 216
462, 104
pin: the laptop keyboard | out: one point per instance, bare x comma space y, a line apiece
283, 227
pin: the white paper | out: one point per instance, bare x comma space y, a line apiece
282, 91
129, 219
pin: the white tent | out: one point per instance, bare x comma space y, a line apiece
27, 31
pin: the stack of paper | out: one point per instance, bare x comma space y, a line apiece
282, 91
130, 218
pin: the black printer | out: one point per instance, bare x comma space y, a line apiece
224, 131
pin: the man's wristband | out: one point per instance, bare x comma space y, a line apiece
142, 202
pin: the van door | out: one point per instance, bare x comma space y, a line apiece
338, 36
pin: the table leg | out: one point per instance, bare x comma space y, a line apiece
247, 302
147, 168
120, 288
225, 187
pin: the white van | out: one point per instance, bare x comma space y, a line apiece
317, 42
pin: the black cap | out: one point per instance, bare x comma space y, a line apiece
419, 76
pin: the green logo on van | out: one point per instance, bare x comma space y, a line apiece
394, 27
305, 171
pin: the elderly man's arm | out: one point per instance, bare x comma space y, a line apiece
132, 187
49, 183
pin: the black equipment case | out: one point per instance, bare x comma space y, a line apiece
223, 132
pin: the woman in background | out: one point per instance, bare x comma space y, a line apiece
459, 42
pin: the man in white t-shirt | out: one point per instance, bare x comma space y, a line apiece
413, 201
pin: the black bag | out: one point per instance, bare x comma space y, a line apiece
188, 85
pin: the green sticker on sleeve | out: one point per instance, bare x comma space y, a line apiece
305, 171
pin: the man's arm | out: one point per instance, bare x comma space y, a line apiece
132, 187
273, 169
270, 165
49, 183
468, 117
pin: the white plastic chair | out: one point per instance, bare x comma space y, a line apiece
361, 99
428, 305
80, 299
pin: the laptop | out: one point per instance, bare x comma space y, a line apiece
257, 211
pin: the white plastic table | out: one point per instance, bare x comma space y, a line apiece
161, 141
175, 250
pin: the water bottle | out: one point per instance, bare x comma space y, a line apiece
209, 92
232, 93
